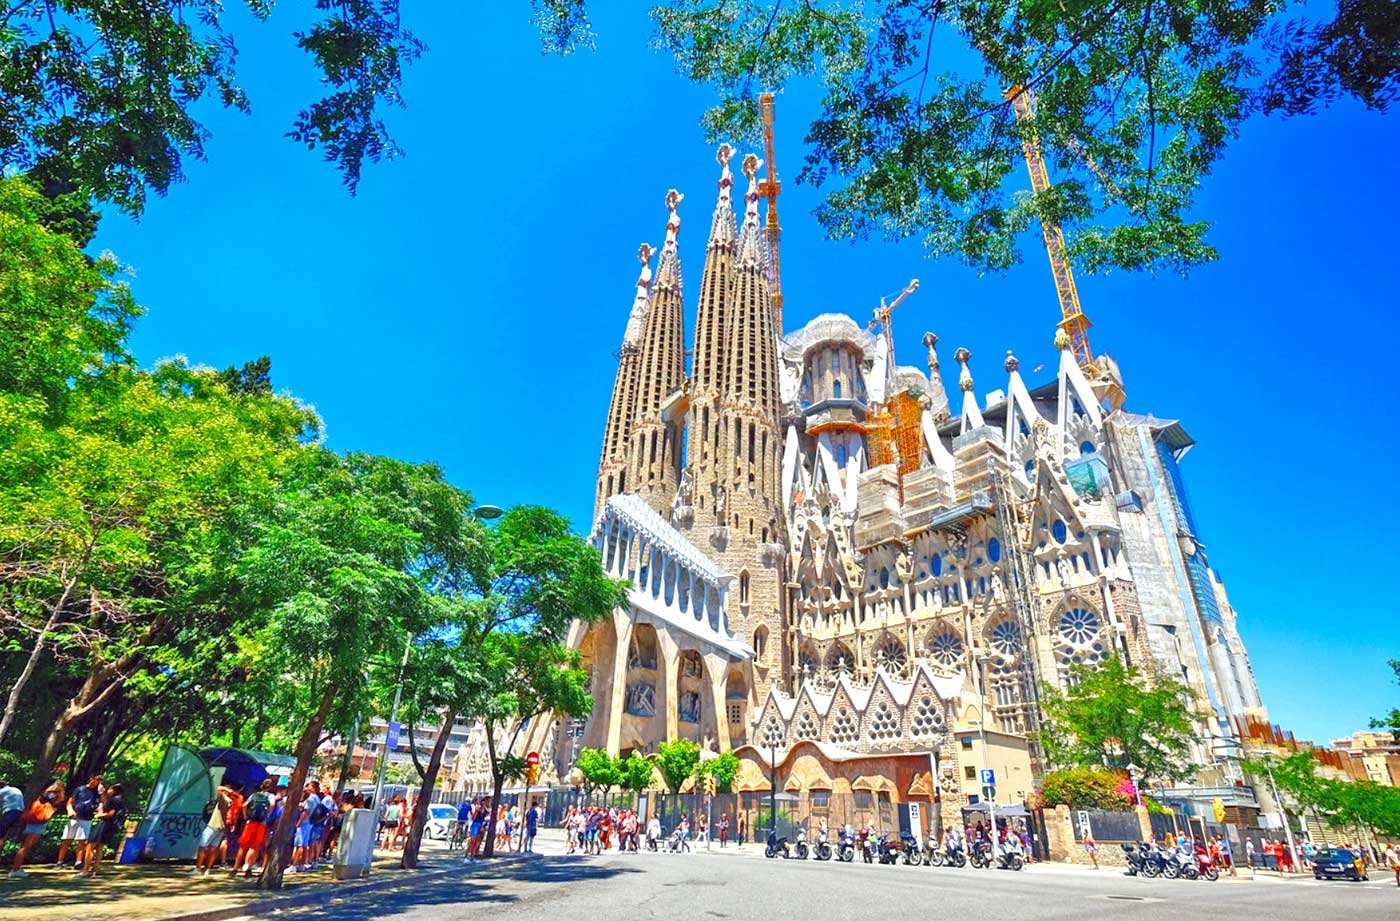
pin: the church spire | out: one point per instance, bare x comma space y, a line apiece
612, 467
655, 450
722, 223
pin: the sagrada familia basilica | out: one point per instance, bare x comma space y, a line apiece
825, 548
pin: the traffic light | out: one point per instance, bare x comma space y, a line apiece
532, 773
1219, 806
710, 785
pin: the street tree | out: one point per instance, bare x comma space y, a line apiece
1135, 102
521, 588
1113, 716
677, 760
105, 98
599, 770
724, 767
334, 564
635, 773
1391, 721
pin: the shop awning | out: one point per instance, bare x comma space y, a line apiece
1009, 811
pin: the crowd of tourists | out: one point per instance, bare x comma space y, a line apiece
94, 815
512, 828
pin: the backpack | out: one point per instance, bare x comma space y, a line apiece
258, 807
317, 812
85, 803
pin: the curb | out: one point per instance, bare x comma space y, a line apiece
320, 896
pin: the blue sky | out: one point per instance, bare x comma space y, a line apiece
464, 308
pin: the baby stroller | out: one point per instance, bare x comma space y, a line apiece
677, 842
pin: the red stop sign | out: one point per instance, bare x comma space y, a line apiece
532, 758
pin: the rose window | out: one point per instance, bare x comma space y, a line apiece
1006, 639
1079, 627
891, 657
946, 649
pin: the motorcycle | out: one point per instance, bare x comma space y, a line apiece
1135, 860
913, 855
777, 845
887, 848
1007, 859
1206, 867
981, 856
846, 846
823, 849
951, 856
800, 849
1186, 866
867, 846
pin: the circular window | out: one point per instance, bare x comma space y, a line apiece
1006, 638
1079, 627
946, 649
1060, 532
1030, 469
1086, 448
994, 550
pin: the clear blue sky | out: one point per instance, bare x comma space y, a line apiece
465, 306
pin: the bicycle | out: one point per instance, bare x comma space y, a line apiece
459, 837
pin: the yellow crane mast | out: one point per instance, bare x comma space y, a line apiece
1075, 323
769, 189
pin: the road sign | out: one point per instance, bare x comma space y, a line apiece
989, 793
988, 776
1084, 829
391, 736
532, 758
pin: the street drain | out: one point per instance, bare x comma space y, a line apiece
1126, 898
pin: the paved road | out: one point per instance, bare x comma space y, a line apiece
701, 886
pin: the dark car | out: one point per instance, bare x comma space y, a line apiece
1335, 861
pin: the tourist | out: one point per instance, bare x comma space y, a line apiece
723, 828
743, 828
654, 833
532, 818
11, 808
1224, 856
303, 821
1285, 857
257, 813
233, 826
702, 830
570, 836
480, 813
1392, 860
1249, 852
389, 825
36, 821
82, 808
106, 825
214, 833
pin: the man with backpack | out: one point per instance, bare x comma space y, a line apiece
82, 809
213, 835
257, 810
306, 833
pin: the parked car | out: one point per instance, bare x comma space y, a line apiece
441, 818
1335, 861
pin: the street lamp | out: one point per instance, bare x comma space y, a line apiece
1132, 779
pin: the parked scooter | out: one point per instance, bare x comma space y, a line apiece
867, 845
1009, 859
1206, 867
800, 849
822, 850
777, 846
846, 845
887, 848
948, 856
1186, 866
1154, 860
913, 855
981, 856
1134, 858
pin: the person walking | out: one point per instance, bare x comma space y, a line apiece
743, 828
11, 808
1091, 849
257, 812
723, 828
82, 809
35, 821
1392, 860
106, 826
1226, 856
532, 819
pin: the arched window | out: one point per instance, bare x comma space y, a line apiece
1086, 448
1060, 532
841, 455
760, 643
744, 587
994, 550
836, 389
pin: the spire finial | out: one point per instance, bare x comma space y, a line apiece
965, 375
641, 304
1061, 340
752, 163
1013, 364
668, 267
930, 343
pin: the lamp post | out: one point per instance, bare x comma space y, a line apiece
1132, 779
480, 513
772, 785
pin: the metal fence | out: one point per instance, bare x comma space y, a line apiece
1108, 825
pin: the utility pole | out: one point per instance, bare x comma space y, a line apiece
393, 715
1287, 828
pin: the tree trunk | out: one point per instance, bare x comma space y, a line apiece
275, 861
425, 796
90, 696
498, 780
101, 739
12, 702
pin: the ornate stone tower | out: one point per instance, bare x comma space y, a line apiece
654, 458
612, 467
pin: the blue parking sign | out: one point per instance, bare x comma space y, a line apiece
988, 776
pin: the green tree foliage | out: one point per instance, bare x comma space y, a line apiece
1343, 804
724, 767
1135, 103
677, 760
636, 772
101, 98
1112, 716
1085, 788
1391, 721
62, 315
599, 769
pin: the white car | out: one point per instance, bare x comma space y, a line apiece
441, 818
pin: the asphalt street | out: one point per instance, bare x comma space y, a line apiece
704, 886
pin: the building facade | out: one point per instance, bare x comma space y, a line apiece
824, 547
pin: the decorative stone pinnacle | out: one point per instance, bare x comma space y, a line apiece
930, 342
751, 165
673, 224
961, 356
1061, 340
1013, 364
644, 253
723, 154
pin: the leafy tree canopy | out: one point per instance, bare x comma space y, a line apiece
724, 767
1391, 721
599, 769
101, 98
677, 760
1112, 717
1086, 788
1343, 804
1135, 102
636, 772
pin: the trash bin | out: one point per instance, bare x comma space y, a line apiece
354, 852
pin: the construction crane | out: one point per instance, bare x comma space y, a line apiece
893, 433
1075, 323
882, 319
769, 189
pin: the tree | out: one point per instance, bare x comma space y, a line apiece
724, 767
1391, 721
1135, 103
677, 760
335, 563
1085, 788
1112, 717
1341, 803
100, 98
522, 586
599, 769
635, 773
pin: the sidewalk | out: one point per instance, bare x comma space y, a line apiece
150, 891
